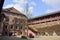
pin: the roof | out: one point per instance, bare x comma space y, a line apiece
50, 13
13, 10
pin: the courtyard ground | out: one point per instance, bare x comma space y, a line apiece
37, 38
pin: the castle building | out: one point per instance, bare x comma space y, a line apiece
14, 22
48, 24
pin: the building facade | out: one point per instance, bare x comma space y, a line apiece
14, 22
48, 24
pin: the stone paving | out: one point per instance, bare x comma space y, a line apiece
37, 38
46, 38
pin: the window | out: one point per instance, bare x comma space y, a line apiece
16, 20
19, 21
7, 19
6, 26
16, 27
11, 26
22, 21
20, 26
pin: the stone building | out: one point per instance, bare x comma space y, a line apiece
14, 22
48, 24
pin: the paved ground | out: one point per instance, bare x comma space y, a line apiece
47, 38
37, 38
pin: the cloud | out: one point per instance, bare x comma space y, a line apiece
33, 3
16, 6
30, 9
51, 10
53, 3
19, 8
20, 4
8, 6
20, 1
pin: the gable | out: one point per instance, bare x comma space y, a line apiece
12, 9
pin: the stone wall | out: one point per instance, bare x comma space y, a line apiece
15, 23
52, 28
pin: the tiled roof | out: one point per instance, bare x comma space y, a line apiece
13, 10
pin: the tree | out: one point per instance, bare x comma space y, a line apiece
28, 9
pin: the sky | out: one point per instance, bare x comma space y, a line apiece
35, 7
